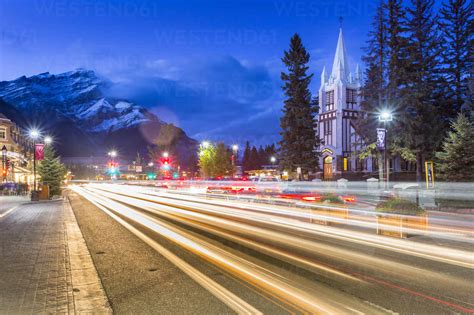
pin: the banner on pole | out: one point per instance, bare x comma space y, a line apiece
39, 151
381, 133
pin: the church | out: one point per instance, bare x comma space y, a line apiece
339, 106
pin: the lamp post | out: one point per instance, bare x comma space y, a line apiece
34, 135
385, 117
235, 148
4, 163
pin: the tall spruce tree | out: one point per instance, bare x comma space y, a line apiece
422, 104
457, 30
374, 91
246, 163
299, 143
457, 155
51, 171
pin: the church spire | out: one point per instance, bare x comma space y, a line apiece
340, 66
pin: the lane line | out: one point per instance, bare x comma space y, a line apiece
8, 211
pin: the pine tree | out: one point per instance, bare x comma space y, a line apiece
457, 157
246, 158
254, 159
422, 105
298, 144
374, 91
456, 27
51, 171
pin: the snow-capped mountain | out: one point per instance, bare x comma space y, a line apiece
77, 95
75, 108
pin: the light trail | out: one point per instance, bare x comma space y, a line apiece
432, 252
288, 239
238, 266
227, 297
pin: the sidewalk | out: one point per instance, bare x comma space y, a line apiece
45, 266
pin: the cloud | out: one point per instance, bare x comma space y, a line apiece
218, 98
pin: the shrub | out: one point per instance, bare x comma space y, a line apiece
399, 206
331, 198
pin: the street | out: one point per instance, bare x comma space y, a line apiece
250, 258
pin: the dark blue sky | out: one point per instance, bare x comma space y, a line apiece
210, 67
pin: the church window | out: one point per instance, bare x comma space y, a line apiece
3, 133
351, 98
329, 100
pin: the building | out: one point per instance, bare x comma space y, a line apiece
18, 159
339, 106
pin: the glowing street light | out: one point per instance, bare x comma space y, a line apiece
385, 116
235, 148
48, 140
273, 159
205, 144
34, 134
112, 154
150, 164
165, 154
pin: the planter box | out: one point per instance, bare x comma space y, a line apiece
401, 224
335, 212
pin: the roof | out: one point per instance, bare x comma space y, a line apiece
340, 65
2, 116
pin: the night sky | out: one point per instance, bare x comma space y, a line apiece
212, 68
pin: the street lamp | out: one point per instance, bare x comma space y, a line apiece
4, 162
150, 164
205, 144
235, 148
165, 154
48, 140
113, 154
273, 160
386, 116
34, 135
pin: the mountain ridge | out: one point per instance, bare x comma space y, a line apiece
84, 120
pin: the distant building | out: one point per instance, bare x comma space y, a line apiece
339, 106
19, 152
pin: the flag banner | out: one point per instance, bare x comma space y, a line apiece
381, 138
39, 151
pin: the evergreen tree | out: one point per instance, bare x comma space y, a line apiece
456, 27
254, 159
246, 158
374, 91
457, 155
262, 157
298, 144
422, 105
51, 171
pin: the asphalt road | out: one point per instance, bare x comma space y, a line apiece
158, 253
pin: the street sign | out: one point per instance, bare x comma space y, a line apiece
430, 179
381, 133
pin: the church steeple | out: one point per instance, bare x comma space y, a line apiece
340, 65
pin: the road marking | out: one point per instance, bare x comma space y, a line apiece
227, 297
8, 212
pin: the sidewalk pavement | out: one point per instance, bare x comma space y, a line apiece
45, 266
